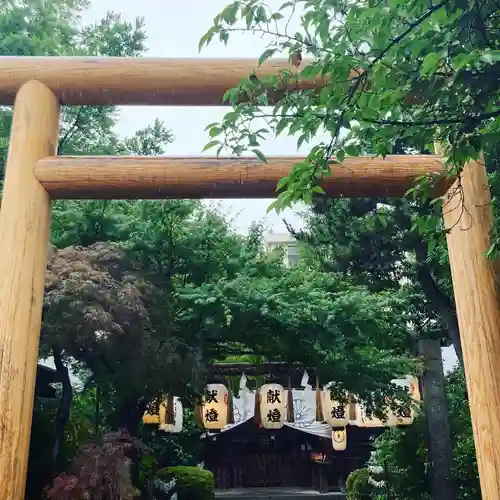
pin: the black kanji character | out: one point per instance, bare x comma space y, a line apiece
211, 396
212, 415
338, 412
274, 415
273, 396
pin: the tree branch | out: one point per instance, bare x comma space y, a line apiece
436, 121
407, 31
440, 301
71, 130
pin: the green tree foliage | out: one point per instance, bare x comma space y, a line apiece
53, 28
377, 243
416, 72
400, 458
171, 287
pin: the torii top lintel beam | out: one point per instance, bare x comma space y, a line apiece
134, 80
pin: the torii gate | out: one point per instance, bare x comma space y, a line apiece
34, 177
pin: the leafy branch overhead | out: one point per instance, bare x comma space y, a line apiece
416, 72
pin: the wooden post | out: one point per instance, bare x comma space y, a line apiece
24, 233
468, 219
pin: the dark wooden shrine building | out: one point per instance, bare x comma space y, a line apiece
248, 456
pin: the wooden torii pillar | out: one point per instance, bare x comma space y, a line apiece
468, 219
24, 234
34, 177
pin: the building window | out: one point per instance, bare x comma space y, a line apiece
292, 255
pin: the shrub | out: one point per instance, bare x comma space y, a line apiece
192, 483
358, 487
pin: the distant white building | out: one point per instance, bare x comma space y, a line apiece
287, 242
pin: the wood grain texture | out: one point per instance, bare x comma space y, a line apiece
24, 233
134, 80
468, 217
94, 177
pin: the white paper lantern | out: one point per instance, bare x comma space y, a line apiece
272, 406
363, 420
150, 418
405, 416
335, 414
339, 439
214, 407
178, 417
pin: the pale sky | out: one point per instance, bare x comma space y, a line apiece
174, 29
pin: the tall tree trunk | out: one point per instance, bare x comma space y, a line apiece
64, 409
128, 415
439, 433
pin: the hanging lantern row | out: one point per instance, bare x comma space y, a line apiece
274, 407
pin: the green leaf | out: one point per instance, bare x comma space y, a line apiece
307, 197
230, 12
352, 150
259, 155
491, 56
210, 145
210, 125
430, 63
215, 131
267, 54
282, 182
310, 71
462, 60
285, 5
206, 38
273, 206
282, 124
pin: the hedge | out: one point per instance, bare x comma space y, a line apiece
192, 483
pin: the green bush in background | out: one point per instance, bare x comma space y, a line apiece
358, 487
192, 483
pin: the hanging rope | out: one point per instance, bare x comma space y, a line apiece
169, 414
230, 408
256, 415
319, 406
289, 406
